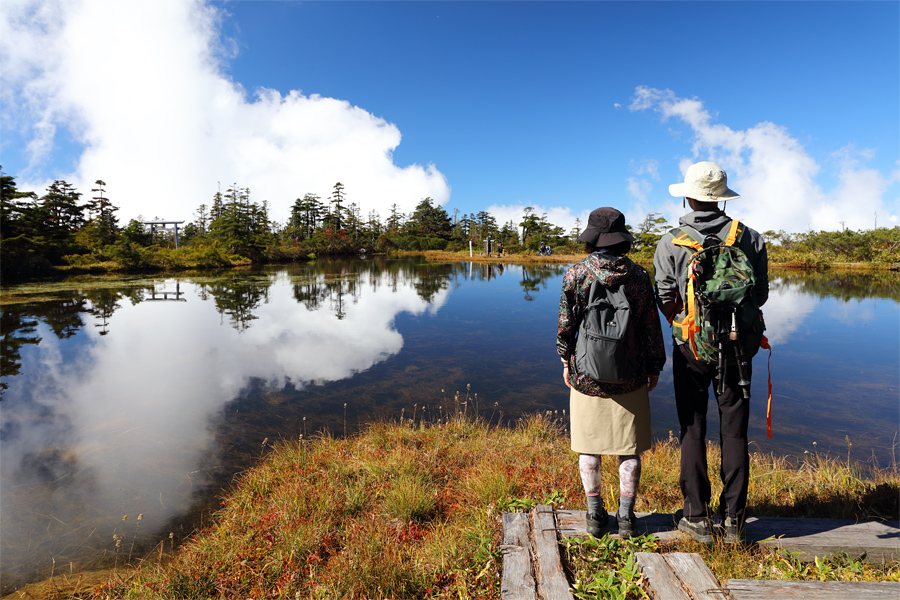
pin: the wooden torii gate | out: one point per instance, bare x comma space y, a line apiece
153, 225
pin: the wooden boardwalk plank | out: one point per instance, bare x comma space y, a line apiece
551, 580
880, 542
663, 583
532, 568
751, 589
572, 524
517, 581
695, 576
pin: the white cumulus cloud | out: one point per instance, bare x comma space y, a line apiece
141, 88
774, 173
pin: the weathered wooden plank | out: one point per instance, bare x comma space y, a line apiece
516, 529
663, 583
551, 580
750, 589
572, 524
880, 542
517, 581
696, 577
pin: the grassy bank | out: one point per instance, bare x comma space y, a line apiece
778, 257
165, 260
412, 509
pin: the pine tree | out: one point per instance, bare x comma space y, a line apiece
14, 211
337, 199
61, 215
103, 222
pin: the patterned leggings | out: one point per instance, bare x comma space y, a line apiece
629, 474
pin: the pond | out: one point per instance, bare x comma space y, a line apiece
140, 397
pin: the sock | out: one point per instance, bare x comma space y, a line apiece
626, 506
594, 505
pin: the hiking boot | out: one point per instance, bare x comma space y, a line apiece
597, 522
701, 531
734, 531
626, 524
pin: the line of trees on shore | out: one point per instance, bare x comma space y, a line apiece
59, 228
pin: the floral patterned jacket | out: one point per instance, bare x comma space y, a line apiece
639, 291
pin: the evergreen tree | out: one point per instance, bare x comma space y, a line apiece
305, 215
244, 226
201, 219
395, 221
486, 225
650, 231
218, 206
354, 221
136, 233
509, 235
429, 220
576, 231
530, 224
373, 226
60, 213
14, 210
101, 229
466, 224
337, 209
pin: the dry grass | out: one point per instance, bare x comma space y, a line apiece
412, 509
401, 510
443, 256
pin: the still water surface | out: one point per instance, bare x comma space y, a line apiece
143, 396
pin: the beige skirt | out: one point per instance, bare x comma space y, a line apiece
618, 425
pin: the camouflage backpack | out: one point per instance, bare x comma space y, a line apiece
719, 300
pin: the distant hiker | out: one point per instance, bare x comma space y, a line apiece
694, 319
609, 417
500, 248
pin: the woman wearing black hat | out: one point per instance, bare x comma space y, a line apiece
610, 417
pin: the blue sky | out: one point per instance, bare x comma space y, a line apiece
561, 106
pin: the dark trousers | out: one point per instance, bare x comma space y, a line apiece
692, 380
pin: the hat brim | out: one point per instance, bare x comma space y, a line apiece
600, 239
688, 190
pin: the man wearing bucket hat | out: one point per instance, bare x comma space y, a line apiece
609, 416
705, 185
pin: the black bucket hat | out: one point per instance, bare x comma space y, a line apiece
606, 227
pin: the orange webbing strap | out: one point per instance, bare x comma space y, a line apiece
765, 345
689, 324
733, 234
684, 240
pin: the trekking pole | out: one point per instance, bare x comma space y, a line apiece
720, 366
733, 336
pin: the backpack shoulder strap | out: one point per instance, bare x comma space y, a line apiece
692, 241
735, 232
687, 237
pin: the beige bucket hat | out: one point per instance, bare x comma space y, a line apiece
706, 182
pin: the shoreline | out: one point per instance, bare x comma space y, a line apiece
430, 255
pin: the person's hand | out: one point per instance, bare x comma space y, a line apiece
566, 374
652, 381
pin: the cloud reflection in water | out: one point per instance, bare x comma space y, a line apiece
101, 426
